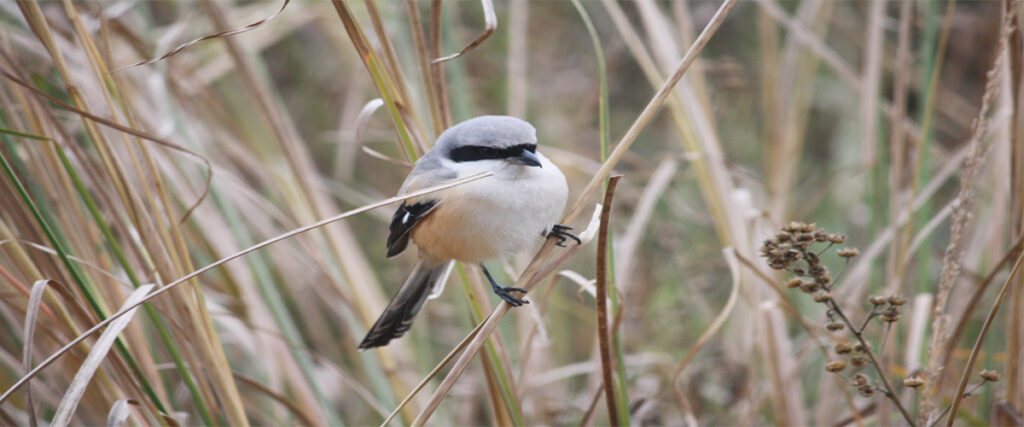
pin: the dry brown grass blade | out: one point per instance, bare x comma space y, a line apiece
225, 33
124, 310
99, 352
965, 377
490, 25
601, 305
112, 124
305, 418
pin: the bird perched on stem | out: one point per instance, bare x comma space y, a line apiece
491, 218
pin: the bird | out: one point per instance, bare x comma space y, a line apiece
483, 220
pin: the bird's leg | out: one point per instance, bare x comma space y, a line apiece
504, 292
561, 232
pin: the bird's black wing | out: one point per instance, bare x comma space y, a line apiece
402, 223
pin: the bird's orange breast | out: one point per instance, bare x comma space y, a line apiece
449, 233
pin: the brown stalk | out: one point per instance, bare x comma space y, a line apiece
601, 282
859, 333
897, 153
1015, 329
872, 73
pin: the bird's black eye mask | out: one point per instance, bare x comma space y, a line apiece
470, 153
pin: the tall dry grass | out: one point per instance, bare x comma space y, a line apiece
241, 188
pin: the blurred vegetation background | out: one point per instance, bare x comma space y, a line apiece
896, 123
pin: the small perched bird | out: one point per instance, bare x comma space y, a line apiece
487, 219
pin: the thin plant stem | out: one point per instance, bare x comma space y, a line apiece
981, 339
889, 392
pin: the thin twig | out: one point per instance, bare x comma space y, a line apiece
601, 282
889, 392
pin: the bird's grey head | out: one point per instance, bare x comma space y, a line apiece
490, 138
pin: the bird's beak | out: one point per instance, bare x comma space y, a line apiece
526, 158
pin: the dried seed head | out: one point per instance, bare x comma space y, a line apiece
861, 348
837, 366
890, 315
817, 270
812, 258
847, 252
858, 362
837, 238
794, 283
834, 326
897, 300
989, 375
793, 226
867, 390
807, 228
877, 299
843, 348
859, 380
799, 271
823, 279
820, 236
809, 287
822, 296
913, 382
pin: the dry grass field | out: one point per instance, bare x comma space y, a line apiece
819, 219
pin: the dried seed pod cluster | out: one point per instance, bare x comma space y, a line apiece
793, 250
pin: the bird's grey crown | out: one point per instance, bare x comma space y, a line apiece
488, 131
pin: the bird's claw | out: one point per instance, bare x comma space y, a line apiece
561, 232
505, 292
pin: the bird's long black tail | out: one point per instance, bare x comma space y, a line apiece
397, 316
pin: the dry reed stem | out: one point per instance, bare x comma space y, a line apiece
601, 305
897, 154
872, 75
1015, 331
